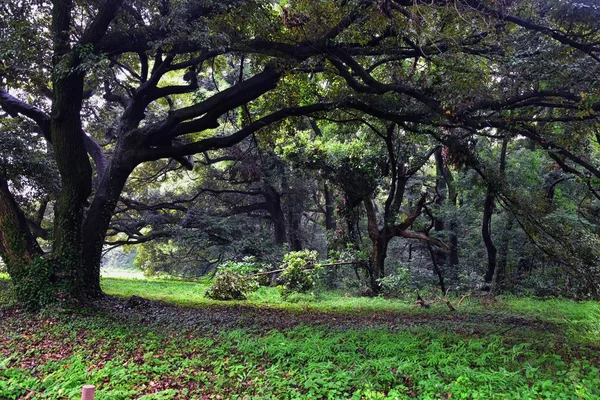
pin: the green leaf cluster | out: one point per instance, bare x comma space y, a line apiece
300, 273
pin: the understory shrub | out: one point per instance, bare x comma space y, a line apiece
229, 285
300, 272
396, 285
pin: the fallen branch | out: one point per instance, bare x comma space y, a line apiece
464, 296
275, 271
421, 302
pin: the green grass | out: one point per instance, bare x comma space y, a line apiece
582, 318
192, 294
438, 355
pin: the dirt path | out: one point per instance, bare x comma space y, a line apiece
264, 319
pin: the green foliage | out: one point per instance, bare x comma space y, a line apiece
396, 285
300, 272
348, 253
6, 293
31, 288
231, 285
247, 266
494, 354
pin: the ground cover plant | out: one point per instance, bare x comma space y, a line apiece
131, 347
365, 198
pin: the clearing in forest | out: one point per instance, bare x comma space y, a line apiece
324, 347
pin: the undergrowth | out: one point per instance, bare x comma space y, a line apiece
50, 356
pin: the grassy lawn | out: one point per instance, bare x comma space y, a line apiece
331, 346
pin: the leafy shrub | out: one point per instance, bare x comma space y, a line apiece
396, 285
248, 266
229, 285
300, 272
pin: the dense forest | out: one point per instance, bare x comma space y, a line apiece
319, 199
410, 144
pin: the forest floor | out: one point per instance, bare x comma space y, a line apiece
170, 344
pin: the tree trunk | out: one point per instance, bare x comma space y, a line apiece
273, 200
445, 185
499, 278
486, 234
18, 247
76, 177
377, 264
294, 219
436, 269
329, 208
98, 219
488, 210
62, 275
380, 239
439, 257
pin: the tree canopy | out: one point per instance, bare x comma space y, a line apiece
188, 124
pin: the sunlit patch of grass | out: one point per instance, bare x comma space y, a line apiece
122, 274
178, 292
580, 318
192, 294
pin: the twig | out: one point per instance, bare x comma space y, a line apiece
464, 296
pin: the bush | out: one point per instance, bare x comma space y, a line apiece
229, 285
249, 266
396, 285
300, 272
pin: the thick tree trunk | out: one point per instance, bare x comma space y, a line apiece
76, 177
294, 219
18, 247
377, 262
98, 219
352, 217
439, 257
60, 276
273, 200
380, 239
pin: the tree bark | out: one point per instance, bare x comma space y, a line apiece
486, 234
70, 156
18, 246
98, 218
500, 274
436, 268
380, 239
273, 200
294, 217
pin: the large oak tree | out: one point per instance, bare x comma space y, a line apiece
449, 68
